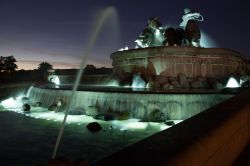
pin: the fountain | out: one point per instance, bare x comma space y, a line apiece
167, 76
168, 65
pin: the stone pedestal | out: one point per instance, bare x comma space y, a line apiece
171, 61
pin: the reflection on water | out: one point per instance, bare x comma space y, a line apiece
79, 142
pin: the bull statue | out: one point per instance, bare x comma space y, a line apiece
187, 33
152, 35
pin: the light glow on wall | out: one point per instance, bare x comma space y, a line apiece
232, 83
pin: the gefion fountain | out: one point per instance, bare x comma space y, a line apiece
168, 73
167, 76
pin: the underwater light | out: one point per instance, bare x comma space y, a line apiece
11, 103
8, 101
54, 79
57, 81
113, 83
232, 83
135, 125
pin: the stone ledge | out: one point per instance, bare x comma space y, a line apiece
213, 137
171, 50
171, 61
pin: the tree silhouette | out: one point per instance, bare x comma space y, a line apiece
43, 70
7, 64
1, 63
90, 67
44, 67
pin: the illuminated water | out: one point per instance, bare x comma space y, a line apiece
138, 82
139, 103
42, 125
34, 133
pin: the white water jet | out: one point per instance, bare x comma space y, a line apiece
28, 93
98, 25
138, 82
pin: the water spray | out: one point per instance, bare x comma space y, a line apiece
98, 25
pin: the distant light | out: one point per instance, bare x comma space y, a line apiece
232, 83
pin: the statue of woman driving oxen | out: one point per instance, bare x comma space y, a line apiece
188, 32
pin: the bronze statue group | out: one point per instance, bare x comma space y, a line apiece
187, 33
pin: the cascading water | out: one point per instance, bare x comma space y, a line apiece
174, 106
138, 82
99, 23
29, 90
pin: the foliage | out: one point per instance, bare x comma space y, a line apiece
7, 64
90, 67
44, 67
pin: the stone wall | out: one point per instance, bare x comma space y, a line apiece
214, 137
172, 61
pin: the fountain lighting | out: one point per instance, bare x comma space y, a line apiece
54, 79
138, 82
42, 113
57, 81
112, 83
232, 83
123, 49
164, 63
12, 103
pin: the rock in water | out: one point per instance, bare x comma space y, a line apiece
156, 116
170, 123
108, 117
99, 117
123, 115
25, 99
76, 111
26, 108
94, 127
52, 107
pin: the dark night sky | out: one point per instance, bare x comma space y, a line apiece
56, 31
